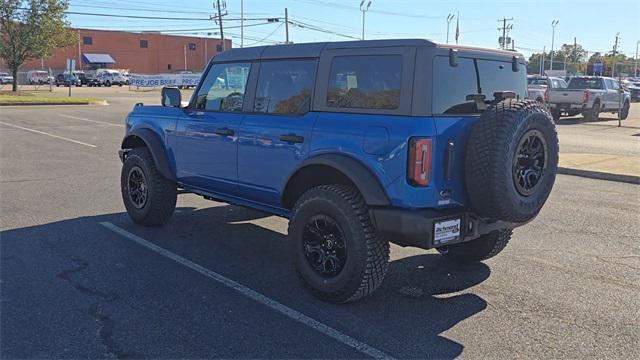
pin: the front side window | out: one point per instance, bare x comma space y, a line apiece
223, 88
615, 85
284, 87
365, 82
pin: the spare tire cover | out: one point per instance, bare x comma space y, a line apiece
511, 160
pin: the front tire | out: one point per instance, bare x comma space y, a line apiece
624, 112
482, 248
149, 198
336, 249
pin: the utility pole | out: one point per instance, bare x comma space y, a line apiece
504, 28
220, 8
553, 37
286, 25
241, 23
449, 18
364, 9
613, 60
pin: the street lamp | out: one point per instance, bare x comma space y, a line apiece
364, 9
635, 69
553, 36
449, 18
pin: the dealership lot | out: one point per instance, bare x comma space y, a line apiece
79, 279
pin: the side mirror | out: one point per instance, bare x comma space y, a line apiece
171, 97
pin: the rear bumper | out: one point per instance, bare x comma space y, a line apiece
566, 107
406, 227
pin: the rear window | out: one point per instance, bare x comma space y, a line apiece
452, 85
284, 87
365, 82
584, 83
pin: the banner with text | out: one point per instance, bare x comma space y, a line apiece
160, 80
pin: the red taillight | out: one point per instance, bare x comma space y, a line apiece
419, 161
546, 95
585, 97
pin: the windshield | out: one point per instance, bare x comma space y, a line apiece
585, 83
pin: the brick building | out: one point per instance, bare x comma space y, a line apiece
144, 52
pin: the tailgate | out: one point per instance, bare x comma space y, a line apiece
566, 96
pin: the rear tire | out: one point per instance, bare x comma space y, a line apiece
336, 249
149, 198
594, 113
482, 248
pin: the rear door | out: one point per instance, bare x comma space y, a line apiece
275, 136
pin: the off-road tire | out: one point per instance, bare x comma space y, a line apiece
594, 113
161, 192
624, 112
490, 160
367, 252
482, 248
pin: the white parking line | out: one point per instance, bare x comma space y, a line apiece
89, 120
46, 133
274, 305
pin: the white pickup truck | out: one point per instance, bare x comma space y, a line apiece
590, 96
538, 87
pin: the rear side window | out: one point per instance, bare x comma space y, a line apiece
365, 82
284, 87
223, 88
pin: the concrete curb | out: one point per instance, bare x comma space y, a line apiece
630, 179
100, 102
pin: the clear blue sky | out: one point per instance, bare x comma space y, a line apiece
594, 22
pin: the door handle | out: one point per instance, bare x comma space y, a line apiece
224, 132
292, 138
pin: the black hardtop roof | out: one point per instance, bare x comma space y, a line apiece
313, 50
310, 50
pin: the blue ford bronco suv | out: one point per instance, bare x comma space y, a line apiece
358, 144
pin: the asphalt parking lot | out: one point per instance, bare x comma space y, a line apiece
80, 280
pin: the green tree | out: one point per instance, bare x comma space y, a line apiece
31, 29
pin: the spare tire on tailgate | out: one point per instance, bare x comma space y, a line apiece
511, 160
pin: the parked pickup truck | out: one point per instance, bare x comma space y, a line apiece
589, 96
538, 87
358, 144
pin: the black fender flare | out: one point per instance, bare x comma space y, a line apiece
156, 148
367, 183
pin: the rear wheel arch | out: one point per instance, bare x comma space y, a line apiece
333, 169
147, 138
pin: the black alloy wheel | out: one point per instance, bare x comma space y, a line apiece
325, 247
138, 187
530, 162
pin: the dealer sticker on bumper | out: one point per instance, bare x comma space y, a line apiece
446, 231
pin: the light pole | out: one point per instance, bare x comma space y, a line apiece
364, 9
553, 37
449, 18
635, 69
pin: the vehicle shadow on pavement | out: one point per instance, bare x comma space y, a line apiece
421, 297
